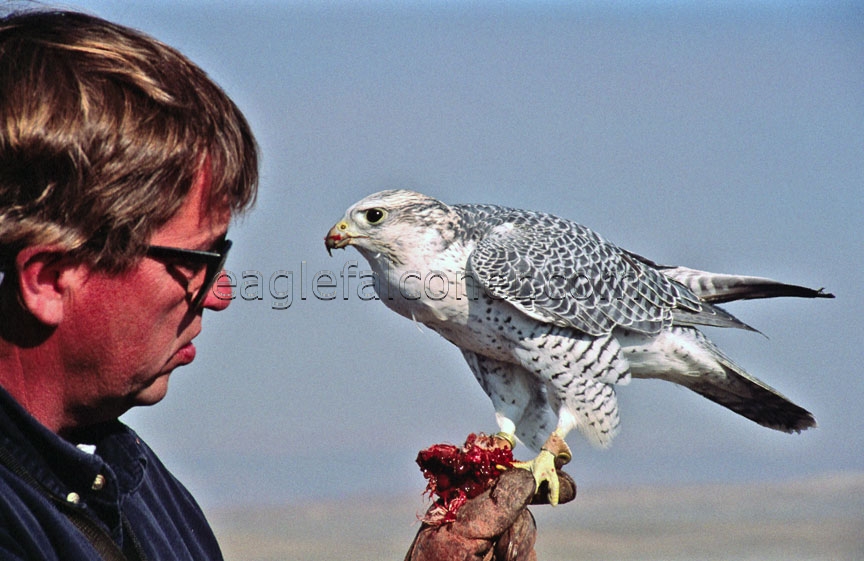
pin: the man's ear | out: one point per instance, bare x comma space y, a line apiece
45, 276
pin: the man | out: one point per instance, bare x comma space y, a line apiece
121, 166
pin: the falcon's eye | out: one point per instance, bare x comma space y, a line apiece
375, 215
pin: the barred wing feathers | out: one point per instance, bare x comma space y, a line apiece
557, 271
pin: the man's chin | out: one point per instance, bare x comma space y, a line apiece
154, 393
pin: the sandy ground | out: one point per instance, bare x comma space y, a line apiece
813, 519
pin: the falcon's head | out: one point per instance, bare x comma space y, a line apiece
394, 224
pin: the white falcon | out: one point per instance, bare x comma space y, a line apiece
551, 317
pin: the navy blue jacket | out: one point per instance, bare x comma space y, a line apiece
121, 487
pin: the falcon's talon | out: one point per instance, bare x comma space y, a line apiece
543, 469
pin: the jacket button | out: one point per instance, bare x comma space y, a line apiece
98, 483
73, 498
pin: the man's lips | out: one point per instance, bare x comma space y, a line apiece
186, 353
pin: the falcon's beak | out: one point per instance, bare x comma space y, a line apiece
338, 237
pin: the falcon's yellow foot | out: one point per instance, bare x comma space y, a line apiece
554, 454
506, 439
543, 469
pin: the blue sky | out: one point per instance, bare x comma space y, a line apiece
727, 139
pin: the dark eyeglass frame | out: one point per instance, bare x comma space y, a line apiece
214, 261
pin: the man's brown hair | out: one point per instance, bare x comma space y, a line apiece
102, 133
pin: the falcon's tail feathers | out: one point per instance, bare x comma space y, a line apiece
685, 356
758, 402
717, 288
750, 398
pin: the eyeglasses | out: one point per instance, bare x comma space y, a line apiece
195, 260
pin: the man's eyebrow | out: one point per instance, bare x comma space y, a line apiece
217, 243
211, 246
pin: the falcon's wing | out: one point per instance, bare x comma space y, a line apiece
558, 271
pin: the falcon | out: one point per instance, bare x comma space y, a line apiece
550, 316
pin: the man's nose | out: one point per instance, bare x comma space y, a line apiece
219, 295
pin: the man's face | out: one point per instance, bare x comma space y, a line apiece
125, 334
